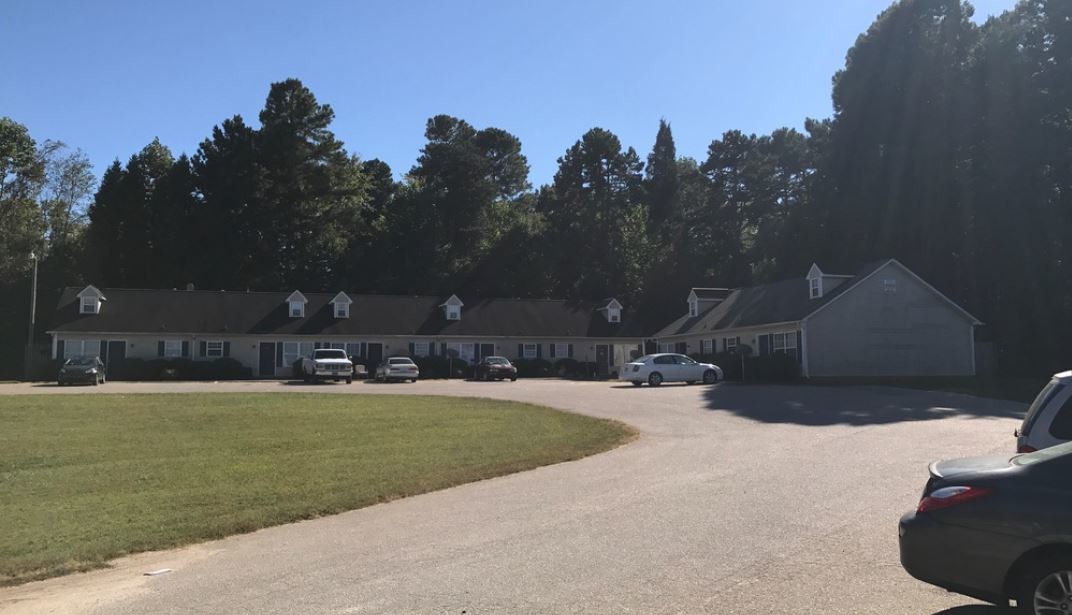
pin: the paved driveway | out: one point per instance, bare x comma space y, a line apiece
735, 499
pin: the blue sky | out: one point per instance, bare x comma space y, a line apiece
109, 76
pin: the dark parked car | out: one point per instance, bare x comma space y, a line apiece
84, 370
997, 529
495, 368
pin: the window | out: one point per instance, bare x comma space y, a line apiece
353, 349
694, 309
290, 353
89, 305
614, 315
454, 312
172, 348
335, 345
342, 310
420, 349
1061, 427
731, 344
889, 286
81, 348
214, 349
297, 309
707, 347
305, 349
666, 347
528, 351
816, 285
463, 351
561, 350
785, 343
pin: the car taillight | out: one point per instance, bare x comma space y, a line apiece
1025, 448
951, 496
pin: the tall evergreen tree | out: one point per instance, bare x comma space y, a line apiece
661, 177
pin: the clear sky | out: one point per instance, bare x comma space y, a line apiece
109, 76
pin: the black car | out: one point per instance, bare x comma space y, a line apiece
997, 529
83, 370
495, 368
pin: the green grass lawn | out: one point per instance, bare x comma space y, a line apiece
87, 478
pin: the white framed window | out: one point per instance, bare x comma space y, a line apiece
342, 310
528, 351
694, 308
707, 347
420, 349
81, 348
297, 309
213, 349
666, 347
816, 287
454, 312
89, 305
290, 353
305, 349
353, 349
561, 351
464, 351
172, 348
731, 344
785, 343
614, 315
335, 345
889, 286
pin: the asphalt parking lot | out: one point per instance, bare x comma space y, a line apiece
735, 499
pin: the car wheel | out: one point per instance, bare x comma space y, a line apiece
636, 383
1047, 587
513, 380
96, 380
655, 379
710, 377
349, 381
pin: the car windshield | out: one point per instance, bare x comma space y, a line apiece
496, 361
329, 353
81, 361
402, 361
1045, 454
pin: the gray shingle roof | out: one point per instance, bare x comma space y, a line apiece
220, 312
785, 301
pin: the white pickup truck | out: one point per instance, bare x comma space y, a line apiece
327, 364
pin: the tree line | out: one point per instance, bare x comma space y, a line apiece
950, 149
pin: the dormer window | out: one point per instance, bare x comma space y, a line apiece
89, 300
341, 305
816, 285
452, 308
614, 315
296, 305
613, 310
694, 308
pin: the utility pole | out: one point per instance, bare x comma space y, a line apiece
33, 319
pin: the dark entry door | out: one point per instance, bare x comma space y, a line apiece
484, 350
375, 355
602, 359
266, 365
114, 354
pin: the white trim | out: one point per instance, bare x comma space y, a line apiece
452, 300
723, 331
297, 296
208, 349
344, 308
974, 320
300, 309
525, 350
453, 312
342, 298
179, 351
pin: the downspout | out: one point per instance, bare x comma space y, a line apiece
804, 348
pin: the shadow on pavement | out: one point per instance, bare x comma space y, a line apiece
819, 405
977, 609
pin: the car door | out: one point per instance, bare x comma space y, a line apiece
667, 366
688, 370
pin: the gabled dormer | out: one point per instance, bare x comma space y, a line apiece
296, 304
612, 310
452, 308
703, 298
815, 282
340, 305
694, 304
90, 300
820, 283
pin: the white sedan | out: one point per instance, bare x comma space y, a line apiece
656, 369
397, 368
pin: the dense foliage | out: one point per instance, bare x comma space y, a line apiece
950, 148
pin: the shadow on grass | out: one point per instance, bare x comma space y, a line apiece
820, 406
